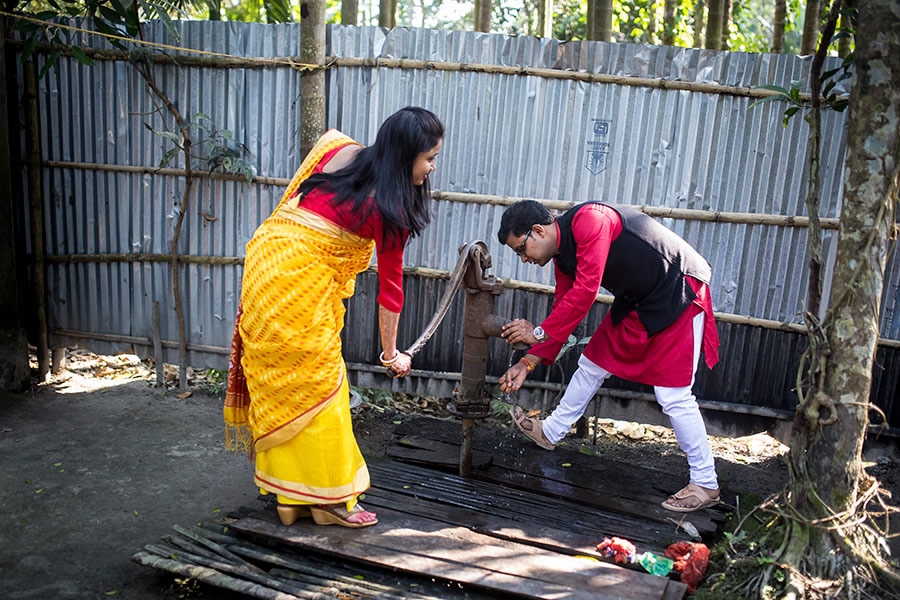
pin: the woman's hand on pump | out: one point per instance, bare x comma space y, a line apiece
402, 365
398, 365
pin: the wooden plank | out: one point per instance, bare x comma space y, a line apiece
414, 544
533, 532
516, 508
613, 493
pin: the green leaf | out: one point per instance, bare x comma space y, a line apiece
201, 115
164, 17
46, 14
57, 464
120, 9
28, 48
135, 513
828, 74
828, 87
398, 422
215, 510
405, 487
795, 94
567, 464
773, 88
840, 105
83, 58
110, 15
768, 99
226, 133
112, 592
39, 491
358, 577
788, 114
172, 153
54, 5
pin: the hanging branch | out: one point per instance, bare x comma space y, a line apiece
818, 345
144, 67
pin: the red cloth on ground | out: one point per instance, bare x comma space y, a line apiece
624, 350
389, 252
691, 560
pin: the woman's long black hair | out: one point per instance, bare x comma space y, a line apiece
386, 167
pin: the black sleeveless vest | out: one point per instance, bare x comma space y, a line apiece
645, 269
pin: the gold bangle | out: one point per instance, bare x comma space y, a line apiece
388, 363
529, 366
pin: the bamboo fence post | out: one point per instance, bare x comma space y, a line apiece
32, 111
157, 345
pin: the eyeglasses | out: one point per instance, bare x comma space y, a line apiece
521, 249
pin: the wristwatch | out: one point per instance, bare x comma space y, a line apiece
539, 334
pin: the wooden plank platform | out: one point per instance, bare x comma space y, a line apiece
525, 524
425, 546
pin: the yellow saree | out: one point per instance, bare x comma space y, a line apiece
298, 269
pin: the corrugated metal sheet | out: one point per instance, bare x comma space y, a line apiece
506, 135
530, 137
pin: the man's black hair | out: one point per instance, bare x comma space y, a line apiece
519, 218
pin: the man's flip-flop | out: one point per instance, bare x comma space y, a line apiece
701, 497
536, 433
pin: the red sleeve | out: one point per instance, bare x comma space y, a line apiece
390, 267
594, 229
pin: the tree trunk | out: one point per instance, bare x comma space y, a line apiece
651, 22
670, 22
728, 6
589, 20
14, 372
36, 201
545, 18
349, 12
778, 33
387, 14
603, 15
810, 27
844, 42
714, 24
828, 442
483, 15
312, 85
699, 10
215, 10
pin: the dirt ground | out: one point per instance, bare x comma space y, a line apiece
97, 463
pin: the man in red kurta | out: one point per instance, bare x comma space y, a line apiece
659, 322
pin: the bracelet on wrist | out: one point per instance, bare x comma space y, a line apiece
529, 366
389, 362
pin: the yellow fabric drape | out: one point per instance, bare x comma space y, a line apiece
298, 269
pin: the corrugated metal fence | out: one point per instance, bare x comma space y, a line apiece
508, 135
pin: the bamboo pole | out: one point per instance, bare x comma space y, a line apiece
562, 205
32, 111
407, 63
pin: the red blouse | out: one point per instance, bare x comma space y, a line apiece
625, 350
388, 251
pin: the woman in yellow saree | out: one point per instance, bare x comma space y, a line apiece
288, 396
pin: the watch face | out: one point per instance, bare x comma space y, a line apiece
538, 333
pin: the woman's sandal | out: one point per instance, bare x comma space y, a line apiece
330, 514
289, 513
702, 498
535, 431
